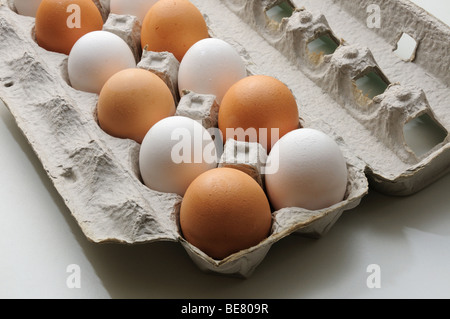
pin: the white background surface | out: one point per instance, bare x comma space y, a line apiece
409, 238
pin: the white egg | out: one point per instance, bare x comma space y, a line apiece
308, 170
210, 66
27, 7
138, 8
174, 152
96, 57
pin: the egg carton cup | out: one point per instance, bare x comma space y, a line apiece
98, 175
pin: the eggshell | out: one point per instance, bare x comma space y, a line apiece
53, 32
310, 173
95, 57
138, 8
174, 152
27, 7
173, 26
210, 66
224, 211
259, 109
131, 102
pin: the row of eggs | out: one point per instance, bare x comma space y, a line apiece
223, 210
138, 8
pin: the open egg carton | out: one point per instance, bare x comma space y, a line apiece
98, 175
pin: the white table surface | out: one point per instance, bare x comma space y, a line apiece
409, 238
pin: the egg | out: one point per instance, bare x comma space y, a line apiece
60, 23
96, 57
131, 102
138, 8
174, 152
210, 66
173, 26
225, 211
259, 109
311, 171
27, 7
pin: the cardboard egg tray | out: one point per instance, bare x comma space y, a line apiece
98, 176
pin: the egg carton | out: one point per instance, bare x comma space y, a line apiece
98, 175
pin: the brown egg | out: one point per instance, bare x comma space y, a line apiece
224, 211
261, 106
131, 102
60, 23
173, 26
